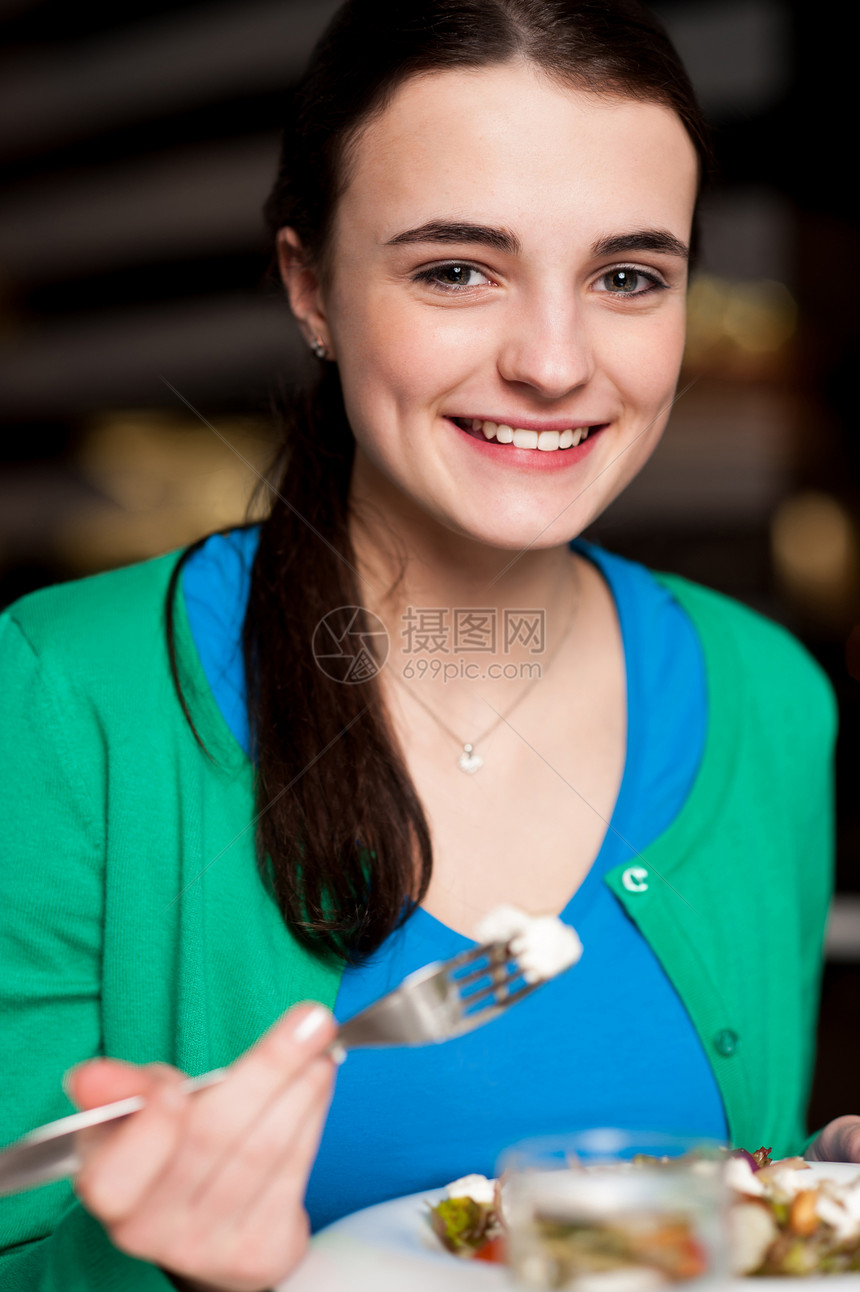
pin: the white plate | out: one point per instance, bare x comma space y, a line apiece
390, 1248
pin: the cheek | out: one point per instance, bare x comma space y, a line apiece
399, 358
642, 360
643, 355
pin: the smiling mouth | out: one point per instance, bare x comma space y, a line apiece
520, 438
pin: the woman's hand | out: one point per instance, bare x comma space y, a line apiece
838, 1142
210, 1186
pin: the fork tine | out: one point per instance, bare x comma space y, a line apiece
483, 952
495, 966
479, 1017
446, 971
443, 971
429, 1005
476, 997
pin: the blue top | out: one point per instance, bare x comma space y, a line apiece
616, 1045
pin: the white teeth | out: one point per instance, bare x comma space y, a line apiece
548, 440
525, 439
545, 441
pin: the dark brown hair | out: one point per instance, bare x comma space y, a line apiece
342, 836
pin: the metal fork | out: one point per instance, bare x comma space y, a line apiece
441, 1001
437, 1003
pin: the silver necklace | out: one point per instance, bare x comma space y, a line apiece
470, 760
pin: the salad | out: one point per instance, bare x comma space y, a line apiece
660, 1246
782, 1221
469, 1220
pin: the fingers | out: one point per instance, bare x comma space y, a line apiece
304, 1031
102, 1081
121, 1163
287, 1187
255, 1223
186, 1181
851, 1140
219, 1121
272, 1147
839, 1141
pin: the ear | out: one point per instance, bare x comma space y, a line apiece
304, 290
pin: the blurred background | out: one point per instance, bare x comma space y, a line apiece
138, 143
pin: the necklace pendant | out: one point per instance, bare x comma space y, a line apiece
469, 761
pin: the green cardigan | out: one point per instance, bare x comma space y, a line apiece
134, 923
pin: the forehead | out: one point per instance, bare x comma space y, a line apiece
508, 144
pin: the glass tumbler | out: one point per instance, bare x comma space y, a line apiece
609, 1210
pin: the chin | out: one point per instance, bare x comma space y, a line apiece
534, 534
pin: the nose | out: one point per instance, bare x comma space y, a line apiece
547, 346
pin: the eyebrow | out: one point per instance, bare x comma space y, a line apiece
642, 240
459, 231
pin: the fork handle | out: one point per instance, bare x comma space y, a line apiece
121, 1108
51, 1153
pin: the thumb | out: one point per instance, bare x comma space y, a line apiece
102, 1081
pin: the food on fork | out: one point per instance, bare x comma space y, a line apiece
542, 944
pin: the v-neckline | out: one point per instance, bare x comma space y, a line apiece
586, 891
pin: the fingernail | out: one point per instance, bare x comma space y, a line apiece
312, 1023
337, 1052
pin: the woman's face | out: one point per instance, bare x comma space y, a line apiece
508, 251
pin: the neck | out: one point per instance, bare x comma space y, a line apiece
411, 563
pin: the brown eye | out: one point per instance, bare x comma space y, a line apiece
456, 275
453, 276
625, 281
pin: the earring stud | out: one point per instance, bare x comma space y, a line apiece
319, 348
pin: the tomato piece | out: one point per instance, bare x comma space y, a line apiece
494, 1249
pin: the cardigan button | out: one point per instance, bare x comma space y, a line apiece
635, 879
726, 1042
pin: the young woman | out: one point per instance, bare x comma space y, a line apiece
483, 222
